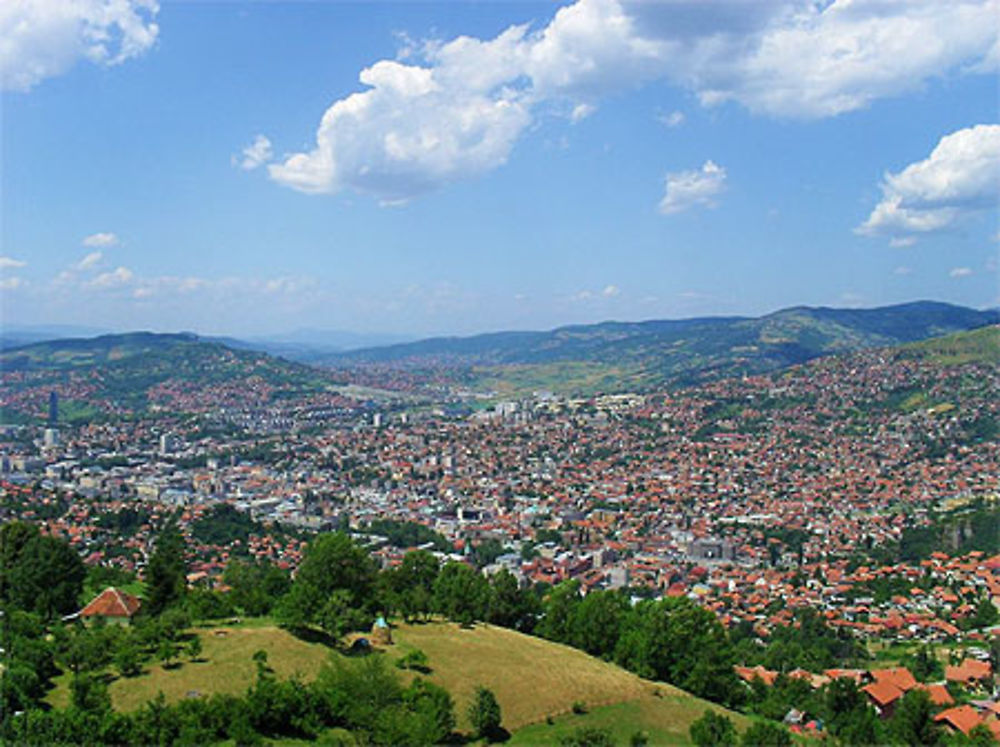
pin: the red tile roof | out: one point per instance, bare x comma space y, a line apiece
112, 603
964, 718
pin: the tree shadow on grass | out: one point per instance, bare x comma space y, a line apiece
497, 736
313, 635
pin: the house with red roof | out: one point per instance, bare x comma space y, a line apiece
113, 606
961, 718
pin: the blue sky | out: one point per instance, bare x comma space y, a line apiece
491, 165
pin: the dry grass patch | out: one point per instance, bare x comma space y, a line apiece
530, 677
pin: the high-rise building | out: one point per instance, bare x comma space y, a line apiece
53, 407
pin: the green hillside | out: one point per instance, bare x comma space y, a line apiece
978, 346
675, 351
535, 681
116, 373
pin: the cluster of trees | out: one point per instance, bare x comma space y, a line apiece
807, 643
363, 696
38, 573
672, 640
38, 652
338, 588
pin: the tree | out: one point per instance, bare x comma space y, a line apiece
333, 562
166, 652
556, 622
913, 721
597, 621
766, 734
713, 730
413, 659
587, 736
47, 576
194, 648
89, 693
509, 605
851, 719
128, 660
166, 576
461, 593
484, 713
431, 711
255, 587
13, 537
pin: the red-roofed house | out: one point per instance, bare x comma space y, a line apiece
883, 695
113, 605
961, 718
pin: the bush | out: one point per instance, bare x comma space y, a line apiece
484, 713
766, 734
713, 730
587, 736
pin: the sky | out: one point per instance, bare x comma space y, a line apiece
424, 168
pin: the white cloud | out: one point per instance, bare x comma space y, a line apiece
11, 283
818, 59
610, 291
256, 154
89, 261
9, 263
960, 177
103, 239
903, 270
901, 242
581, 112
674, 119
117, 278
687, 189
960, 272
43, 38
456, 108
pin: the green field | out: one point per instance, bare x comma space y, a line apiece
534, 680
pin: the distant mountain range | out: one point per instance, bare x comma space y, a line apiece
301, 344
608, 355
702, 347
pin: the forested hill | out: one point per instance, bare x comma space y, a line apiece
673, 348
113, 374
180, 355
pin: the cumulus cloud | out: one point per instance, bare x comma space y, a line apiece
960, 177
610, 291
256, 154
103, 239
450, 110
9, 263
960, 272
43, 38
90, 261
117, 278
698, 187
11, 283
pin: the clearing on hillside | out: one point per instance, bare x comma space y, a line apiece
534, 679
